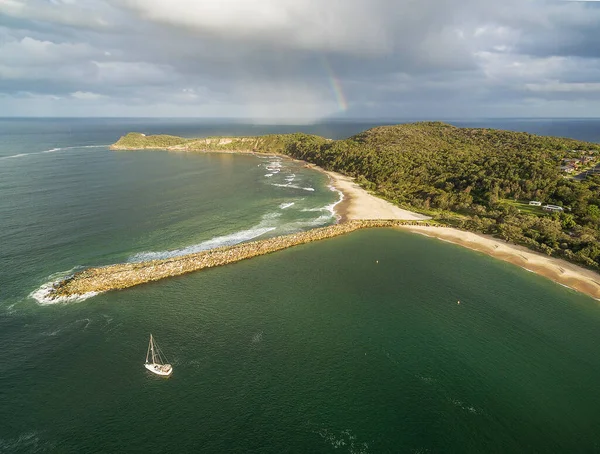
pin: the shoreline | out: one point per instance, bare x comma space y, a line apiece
95, 280
558, 270
359, 206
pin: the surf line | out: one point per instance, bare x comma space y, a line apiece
124, 275
51, 150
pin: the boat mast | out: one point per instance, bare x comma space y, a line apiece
152, 348
148, 352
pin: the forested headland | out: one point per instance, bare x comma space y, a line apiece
476, 179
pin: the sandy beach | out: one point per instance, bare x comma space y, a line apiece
560, 271
359, 204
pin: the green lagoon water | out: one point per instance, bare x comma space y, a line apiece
355, 344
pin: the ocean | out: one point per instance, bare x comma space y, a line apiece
355, 344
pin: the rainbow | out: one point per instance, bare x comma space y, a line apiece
336, 85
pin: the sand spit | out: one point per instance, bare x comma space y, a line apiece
120, 276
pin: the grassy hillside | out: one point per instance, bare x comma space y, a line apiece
273, 143
138, 141
466, 177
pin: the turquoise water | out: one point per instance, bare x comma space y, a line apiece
354, 344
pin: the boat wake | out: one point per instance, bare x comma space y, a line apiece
466, 407
51, 150
344, 439
79, 325
25, 442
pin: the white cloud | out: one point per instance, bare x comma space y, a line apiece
123, 73
86, 96
290, 58
32, 52
90, 15
341, 25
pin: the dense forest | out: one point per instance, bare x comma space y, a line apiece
476, 179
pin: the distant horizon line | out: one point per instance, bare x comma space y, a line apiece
291, 121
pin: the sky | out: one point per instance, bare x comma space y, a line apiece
300, 60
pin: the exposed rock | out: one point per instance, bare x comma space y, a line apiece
125, 275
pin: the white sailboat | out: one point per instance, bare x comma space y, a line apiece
158, 365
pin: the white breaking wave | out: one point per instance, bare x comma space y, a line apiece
42, 294
51, 150
225, 240
20, 155
270, 216
283, 206
267, 224
299, 226
331, 207
293, 186
268, 174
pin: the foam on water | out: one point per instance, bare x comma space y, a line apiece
331, 207
51, 150
269, 222
294, 186
269, 216
257, 337
26, 442
266, 225
20, 155
345, 440
42, 294
82, 323
298, 226
466, 407
225, 240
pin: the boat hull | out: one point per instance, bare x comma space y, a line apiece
158, 369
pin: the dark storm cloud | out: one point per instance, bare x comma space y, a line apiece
303, 58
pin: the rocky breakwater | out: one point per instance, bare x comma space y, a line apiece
120, 276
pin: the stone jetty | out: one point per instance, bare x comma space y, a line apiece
120, 276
